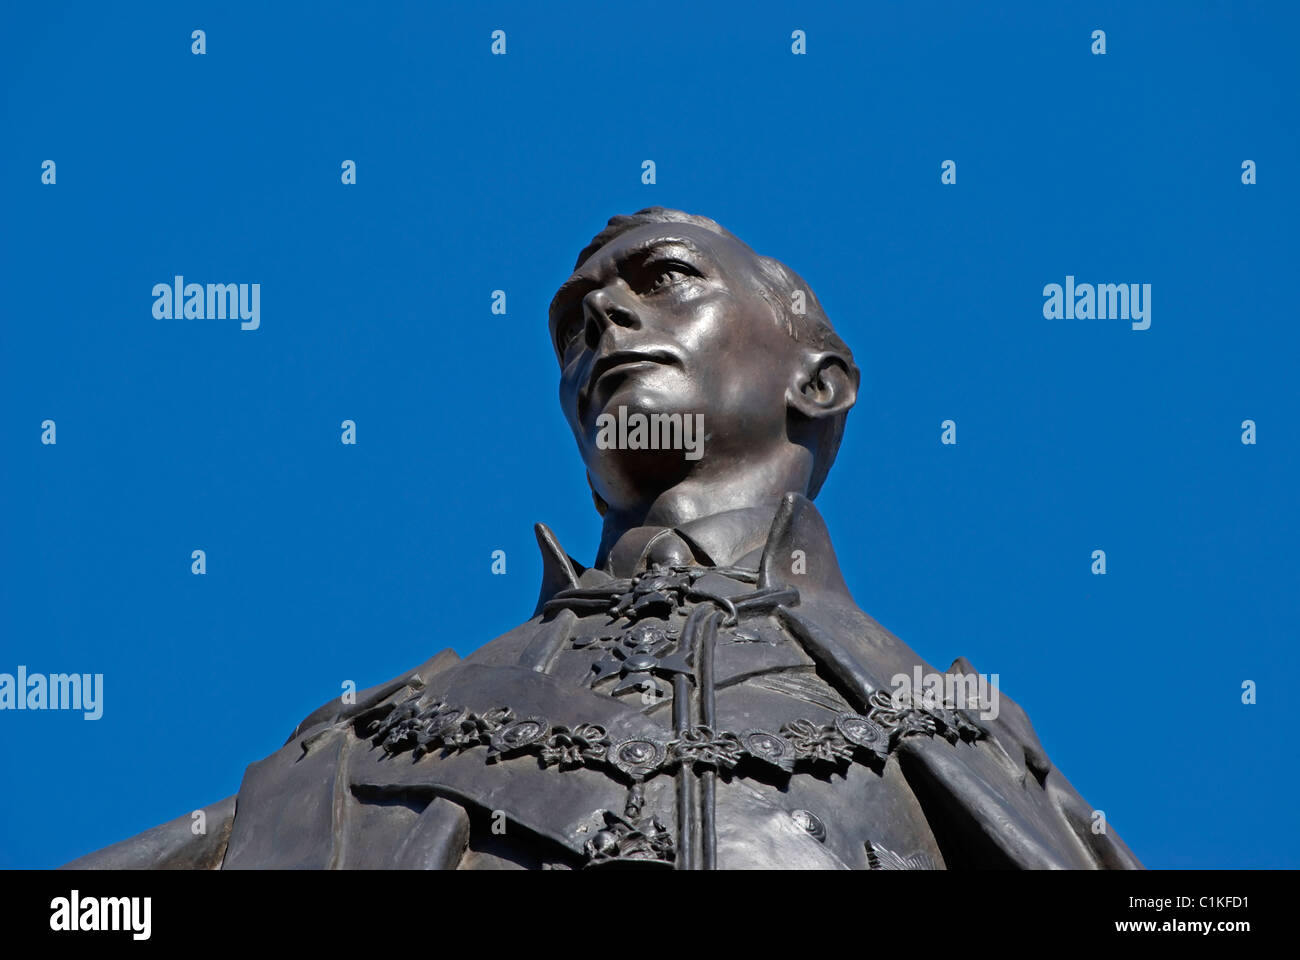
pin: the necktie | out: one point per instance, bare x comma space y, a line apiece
646, 547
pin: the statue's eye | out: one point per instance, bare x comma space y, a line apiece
666, 278
663, 274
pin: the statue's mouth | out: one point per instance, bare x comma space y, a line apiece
619, 363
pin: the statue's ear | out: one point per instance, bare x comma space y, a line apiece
825, 385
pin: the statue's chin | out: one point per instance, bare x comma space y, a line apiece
646, 388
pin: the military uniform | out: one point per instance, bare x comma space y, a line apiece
712, 699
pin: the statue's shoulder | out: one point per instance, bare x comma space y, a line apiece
504, 650
193, 841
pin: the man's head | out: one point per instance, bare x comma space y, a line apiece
668, 313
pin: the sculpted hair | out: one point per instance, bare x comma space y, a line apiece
811, 328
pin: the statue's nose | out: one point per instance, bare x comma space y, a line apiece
604, 306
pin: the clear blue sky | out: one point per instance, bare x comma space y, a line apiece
328, 563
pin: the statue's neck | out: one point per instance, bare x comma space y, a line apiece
758, 490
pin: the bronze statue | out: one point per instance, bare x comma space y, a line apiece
706, 695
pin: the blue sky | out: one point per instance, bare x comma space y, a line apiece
475, 172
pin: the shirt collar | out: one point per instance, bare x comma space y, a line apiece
788, 543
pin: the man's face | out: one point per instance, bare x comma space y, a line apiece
669, 319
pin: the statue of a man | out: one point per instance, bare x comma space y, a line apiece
706, 694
